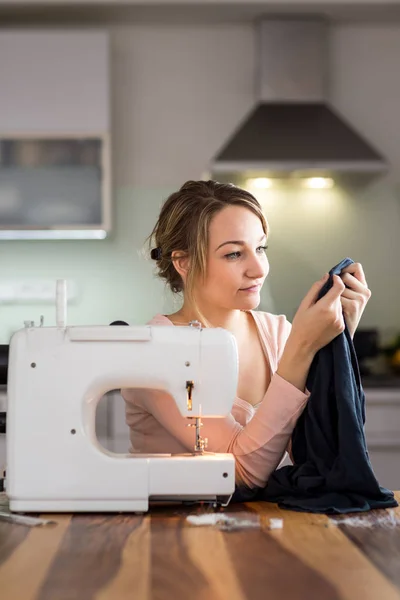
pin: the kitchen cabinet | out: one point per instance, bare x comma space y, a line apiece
55, 134
54, 82
382, 430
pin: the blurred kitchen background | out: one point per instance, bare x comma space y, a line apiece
106, 108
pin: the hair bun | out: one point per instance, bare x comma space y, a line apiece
156, 253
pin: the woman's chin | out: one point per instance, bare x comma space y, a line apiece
250, 303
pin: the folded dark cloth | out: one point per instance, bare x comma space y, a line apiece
332, 472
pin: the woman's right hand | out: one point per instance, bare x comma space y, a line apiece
318, 322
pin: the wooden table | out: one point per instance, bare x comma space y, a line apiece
160, 556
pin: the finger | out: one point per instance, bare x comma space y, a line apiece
355, 297
356, 270
333, 294
359, 288
351, 295
353, 283
346, 302
348, 307
312, 295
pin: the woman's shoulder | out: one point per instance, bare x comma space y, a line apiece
159, 319
277, 327
275, 321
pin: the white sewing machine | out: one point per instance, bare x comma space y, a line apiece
57, 375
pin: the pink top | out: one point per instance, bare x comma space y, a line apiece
256, 435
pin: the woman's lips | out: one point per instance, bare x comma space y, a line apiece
251, 290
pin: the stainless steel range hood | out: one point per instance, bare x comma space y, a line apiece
293, 129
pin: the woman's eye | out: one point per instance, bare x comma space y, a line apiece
232, 255
237, 254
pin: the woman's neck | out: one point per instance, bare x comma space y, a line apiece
232, 320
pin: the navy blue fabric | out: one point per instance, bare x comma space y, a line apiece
332, 472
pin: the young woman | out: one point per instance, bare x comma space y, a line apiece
210, 245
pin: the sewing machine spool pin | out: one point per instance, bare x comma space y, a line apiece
61, 303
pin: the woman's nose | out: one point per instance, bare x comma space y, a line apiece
258, 266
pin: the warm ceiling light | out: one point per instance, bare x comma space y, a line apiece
262, 183
319, 183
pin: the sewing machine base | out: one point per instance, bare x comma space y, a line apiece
120, 483
125, 506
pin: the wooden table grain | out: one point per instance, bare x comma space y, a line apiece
160, 556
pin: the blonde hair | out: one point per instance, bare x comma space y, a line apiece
183, 225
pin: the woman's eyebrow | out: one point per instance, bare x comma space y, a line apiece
237, 242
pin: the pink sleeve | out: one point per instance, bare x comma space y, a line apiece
258, 447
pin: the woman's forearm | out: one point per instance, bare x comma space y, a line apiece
295, 363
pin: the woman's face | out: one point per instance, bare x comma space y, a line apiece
236, 264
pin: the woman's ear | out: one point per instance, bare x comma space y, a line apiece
180, 260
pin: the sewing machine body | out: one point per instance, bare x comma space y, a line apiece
56, 377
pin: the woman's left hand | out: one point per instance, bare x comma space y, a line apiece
354, 298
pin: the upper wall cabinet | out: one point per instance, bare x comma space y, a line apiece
55, 163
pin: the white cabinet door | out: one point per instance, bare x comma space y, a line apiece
382, 431
386, 465
54, 82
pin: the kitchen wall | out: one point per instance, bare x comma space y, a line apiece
177, 92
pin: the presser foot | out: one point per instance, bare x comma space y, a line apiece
201, 443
